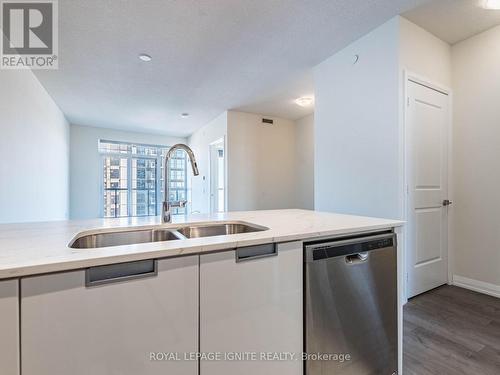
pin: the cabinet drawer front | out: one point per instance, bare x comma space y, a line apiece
68, 328
9, 327
252, 306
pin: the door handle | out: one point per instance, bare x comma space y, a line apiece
447, 202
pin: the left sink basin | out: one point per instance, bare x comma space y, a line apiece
129, 237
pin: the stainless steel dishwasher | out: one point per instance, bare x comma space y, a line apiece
350, 305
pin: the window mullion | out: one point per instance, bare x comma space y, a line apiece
129, 185
158, 184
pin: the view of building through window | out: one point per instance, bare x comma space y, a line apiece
132, 180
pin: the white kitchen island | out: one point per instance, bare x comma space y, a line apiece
199, 299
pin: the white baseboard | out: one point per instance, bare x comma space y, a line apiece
477, 286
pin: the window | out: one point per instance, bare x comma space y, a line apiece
133, 179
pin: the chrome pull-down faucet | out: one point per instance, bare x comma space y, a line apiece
166, 215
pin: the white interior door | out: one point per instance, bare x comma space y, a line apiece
427, 150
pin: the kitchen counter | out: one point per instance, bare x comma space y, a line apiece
36, 248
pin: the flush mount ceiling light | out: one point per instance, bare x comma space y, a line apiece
491, 4
304, 101
145, 57
184, 115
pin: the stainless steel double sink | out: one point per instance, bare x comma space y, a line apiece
158, 234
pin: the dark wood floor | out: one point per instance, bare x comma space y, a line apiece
450, 330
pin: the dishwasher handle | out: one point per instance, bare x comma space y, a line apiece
356, 258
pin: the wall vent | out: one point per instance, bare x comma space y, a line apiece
267, 121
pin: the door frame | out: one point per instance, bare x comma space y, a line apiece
408, 77
222, 141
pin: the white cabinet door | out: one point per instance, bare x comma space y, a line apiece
252, 306
110, 329
9, 327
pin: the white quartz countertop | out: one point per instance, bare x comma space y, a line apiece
35, 248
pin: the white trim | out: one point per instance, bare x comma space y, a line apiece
427, 82
451, 211
404, 215
226, 172
211, 172
401, 295
477, 286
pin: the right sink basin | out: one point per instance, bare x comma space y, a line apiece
218, 229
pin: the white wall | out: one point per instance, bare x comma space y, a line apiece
359, 165
200, 142
85, 164
357, 130
267, 166
34, 151
476, 156
304, 168
261, 163
424, 54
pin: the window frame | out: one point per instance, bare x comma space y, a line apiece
130, 156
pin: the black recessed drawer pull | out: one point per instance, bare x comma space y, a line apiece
120, 272
256, 252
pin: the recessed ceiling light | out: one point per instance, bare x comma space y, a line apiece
145, 57
184, 115
304, 101
491, 4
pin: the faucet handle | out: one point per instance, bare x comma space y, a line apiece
179, 204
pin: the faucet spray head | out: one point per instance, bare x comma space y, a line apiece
194, 166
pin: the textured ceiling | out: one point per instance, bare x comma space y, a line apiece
208, 56
454, 20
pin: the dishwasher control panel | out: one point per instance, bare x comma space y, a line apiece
349, 246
